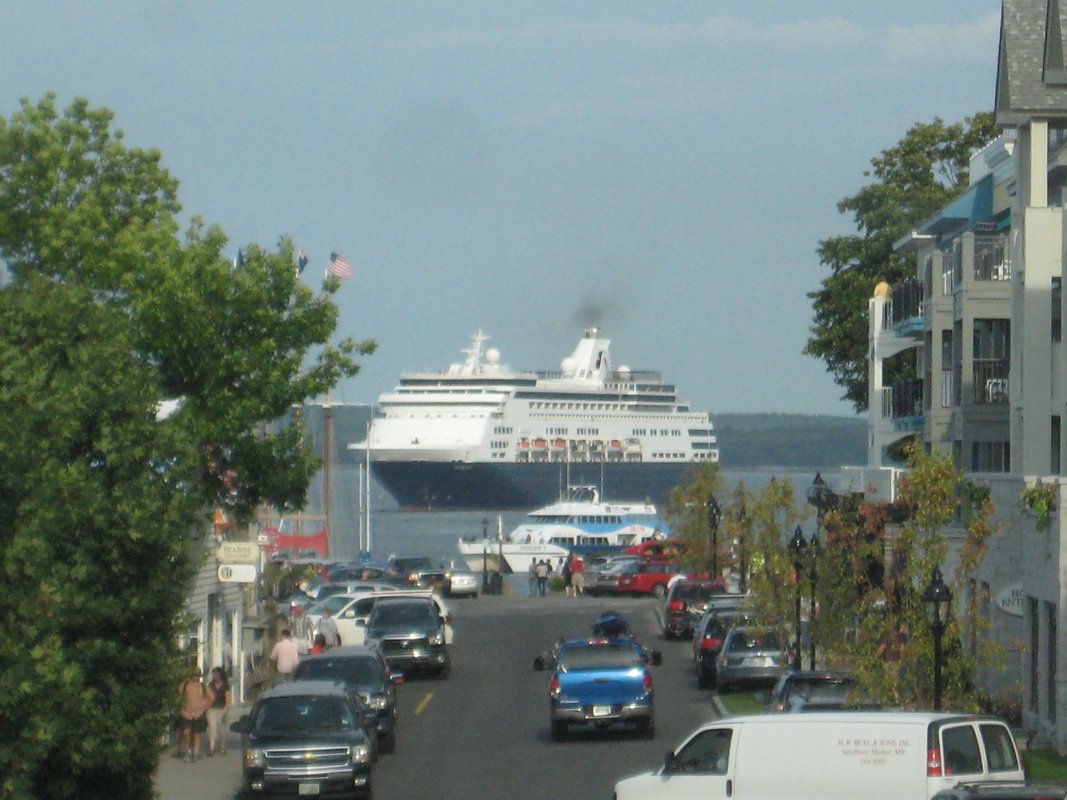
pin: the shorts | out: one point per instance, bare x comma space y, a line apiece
196, 725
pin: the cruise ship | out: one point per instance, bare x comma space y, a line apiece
481, 436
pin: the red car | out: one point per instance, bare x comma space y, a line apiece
649, 577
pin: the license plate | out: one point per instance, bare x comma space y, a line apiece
757, 661
601, 711
307, 789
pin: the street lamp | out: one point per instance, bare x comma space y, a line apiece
822, 498
742, 549
813, 554
796, 550
938, 600
714, 514
485, 556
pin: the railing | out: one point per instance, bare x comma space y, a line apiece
948, 389
907, 300
906, 398
990, 381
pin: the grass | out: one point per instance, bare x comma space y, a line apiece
743, 702
1045, 765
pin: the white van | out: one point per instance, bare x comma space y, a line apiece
349, 610
871, 755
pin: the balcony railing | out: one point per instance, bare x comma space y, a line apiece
904, 399
990, 381
948, 389
907, 301
991, 259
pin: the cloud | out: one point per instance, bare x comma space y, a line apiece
970, 41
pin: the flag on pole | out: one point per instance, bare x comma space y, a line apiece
301, 262
339, 266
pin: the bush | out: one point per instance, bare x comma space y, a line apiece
556, 584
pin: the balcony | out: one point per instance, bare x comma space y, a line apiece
990, 381
991, 259
903, 403
908, 307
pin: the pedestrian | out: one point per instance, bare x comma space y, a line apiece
533, 577
577, 575
319, 644
192, 718
328, 628
219, 699
565, 570
542, 576
285, 656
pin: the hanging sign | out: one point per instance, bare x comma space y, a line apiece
238, 552
237, 573
1010, 599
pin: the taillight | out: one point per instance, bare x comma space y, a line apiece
553, 686
675, 605
933, 763
710, 643
648, 682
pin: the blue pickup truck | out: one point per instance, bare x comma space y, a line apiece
599, 682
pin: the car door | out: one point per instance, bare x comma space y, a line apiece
701, 768
348, 627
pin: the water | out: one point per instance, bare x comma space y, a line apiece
436, 533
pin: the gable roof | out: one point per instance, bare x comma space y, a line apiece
1031, 73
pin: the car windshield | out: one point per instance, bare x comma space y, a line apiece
334, 603
598, 656
401, 614
743, 640
821, 692
359, 670
693, 592
281, 715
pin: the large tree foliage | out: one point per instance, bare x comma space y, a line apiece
106, 313
912, 180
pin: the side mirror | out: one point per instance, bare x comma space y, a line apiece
361, 623
243, 725
668, 762
349, 614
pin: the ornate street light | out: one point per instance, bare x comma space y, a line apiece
714, 515
938, 600
797, 545
742, 548
813, 554
485, 556
823, 499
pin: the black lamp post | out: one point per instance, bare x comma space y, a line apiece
742, 549
822, 498
485, 555
797, 546
714, 514
938, 599
813, 554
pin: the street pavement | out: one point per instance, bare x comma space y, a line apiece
484, 731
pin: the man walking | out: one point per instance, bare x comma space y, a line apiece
533, 577
328, 628
577, 575
542, 577
285, 656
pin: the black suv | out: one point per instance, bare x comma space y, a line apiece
305, 738
1002, 791
363, 670
410, 633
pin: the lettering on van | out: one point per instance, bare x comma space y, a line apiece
874, 751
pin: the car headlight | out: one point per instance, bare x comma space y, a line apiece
437, 638
378, 701
361, 753
254, 757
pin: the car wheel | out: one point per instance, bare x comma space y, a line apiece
659, 590
559, 730
444, 671
647, 728
364, 792
387, 744
703, 679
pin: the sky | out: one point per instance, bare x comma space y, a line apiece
664, 171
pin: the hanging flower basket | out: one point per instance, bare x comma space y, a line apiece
1039, 501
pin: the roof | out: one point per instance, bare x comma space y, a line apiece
1031, 73
852, 717
346, 651
304, 689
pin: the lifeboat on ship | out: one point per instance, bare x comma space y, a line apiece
559, 449
615, 450
539, 449
596, 451
522, 449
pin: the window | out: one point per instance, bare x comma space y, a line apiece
707, 753
959, 748
999, 751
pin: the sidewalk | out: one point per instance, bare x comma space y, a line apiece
215, 778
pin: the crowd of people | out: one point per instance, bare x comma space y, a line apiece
570, 569
203, 708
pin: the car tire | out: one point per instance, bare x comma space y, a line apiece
703, 679
387, 743
647, 728
559, 730
364, 792
659, 590
444, 671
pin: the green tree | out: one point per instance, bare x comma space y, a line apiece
687, 517
106, 313
912, 180
881, 629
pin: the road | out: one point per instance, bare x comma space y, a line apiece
483, 733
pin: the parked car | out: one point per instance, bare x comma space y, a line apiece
411, 634
750, 655
461, 582
320, 722
366, 571
420, 571
868, 754
599, 682
601, 576
644, 578
363, 670
687, 600
351, 611
708, 639
816, 691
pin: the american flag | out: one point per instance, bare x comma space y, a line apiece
339, 266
